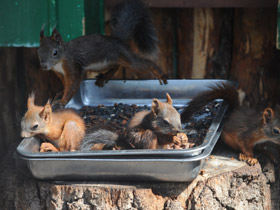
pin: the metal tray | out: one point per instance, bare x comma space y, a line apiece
127, 168
146, 165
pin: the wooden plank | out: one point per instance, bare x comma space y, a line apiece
204, 3
203, 27
253, 55
163, 20
204, 42
185, 42
220, 44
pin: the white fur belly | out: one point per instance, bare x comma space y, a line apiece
100, 66
261, 141
58, 68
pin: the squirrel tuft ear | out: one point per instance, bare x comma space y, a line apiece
30, 101
56, 36
46, 113
268, 115
42, 32
168, 99
156, 106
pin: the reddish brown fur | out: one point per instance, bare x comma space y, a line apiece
138, 118
244, 127
151, 130
64, 127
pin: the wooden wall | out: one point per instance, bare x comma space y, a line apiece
237, 44
226, 43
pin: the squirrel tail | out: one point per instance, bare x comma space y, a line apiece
221, 91
131, 20
99, 140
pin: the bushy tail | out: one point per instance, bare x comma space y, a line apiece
131, 20
221, 91
102, 139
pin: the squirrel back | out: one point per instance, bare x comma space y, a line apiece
64, 128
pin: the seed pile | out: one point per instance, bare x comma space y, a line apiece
117, 117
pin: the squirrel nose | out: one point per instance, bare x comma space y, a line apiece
176, 130
44, 66
25, 134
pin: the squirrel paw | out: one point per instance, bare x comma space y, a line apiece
48, 147
100, 80
164, 78
249, 160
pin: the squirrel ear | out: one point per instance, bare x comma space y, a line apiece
49, 101
56, 36
42, 32
30, 101
156, 106
268, 115
46, 113
168, 99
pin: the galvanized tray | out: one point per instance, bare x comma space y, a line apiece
127, 168
146, 165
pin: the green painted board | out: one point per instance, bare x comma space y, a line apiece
21, 20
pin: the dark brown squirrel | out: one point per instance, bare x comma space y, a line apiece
103, 54
244, 127
64, 128
147, 130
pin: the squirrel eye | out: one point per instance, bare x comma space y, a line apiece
165, 122
54, 52
276, 131
34, 127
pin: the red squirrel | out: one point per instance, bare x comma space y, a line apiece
64, 128
130, 20
147, 130
244, 127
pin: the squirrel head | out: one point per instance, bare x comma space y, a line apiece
36, 118
167, 120
271, 124
51, 50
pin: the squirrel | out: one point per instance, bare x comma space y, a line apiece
64, 127
244, 127
147, 130
98, 53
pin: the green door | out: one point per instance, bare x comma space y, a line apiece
22, 20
